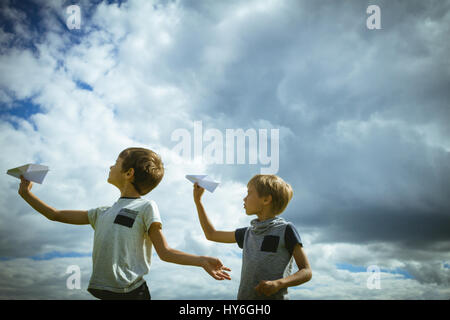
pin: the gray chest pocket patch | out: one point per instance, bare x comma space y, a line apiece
270, 243
126, 217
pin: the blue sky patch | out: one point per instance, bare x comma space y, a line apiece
21, 108
355, 269
83, 85
57, 254
53, 255
350, 267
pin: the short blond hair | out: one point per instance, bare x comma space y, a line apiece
270, 184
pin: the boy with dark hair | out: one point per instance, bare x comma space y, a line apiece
126, 231
269, 244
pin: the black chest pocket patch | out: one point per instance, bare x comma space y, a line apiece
270, 243
126, 217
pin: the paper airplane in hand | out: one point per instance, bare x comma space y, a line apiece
31, 172
203, 181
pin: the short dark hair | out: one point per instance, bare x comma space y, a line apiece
148, 168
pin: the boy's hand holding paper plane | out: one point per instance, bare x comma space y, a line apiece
203, 181
31, 172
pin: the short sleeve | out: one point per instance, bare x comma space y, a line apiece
93, 214
239, 235
151, 214
291, 238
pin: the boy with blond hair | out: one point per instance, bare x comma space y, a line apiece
126, 231
269, 244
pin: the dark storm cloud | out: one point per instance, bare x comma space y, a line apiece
314, 64
385, 189
326, 59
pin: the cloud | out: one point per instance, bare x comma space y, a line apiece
44, 279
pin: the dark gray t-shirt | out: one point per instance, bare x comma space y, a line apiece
267, 255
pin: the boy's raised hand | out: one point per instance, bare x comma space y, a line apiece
215, 268
198, 192
211, 265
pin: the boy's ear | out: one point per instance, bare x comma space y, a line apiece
267, 199
130, 173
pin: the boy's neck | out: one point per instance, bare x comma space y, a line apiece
265, 215
128, 191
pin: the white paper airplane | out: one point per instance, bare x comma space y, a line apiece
203, 181
31, 172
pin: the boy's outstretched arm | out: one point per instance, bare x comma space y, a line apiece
304, 274
208, 229
211, 265
66, 216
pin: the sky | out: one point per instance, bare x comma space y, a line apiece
361, 115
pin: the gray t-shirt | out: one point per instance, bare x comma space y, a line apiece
122, 248
267, 255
